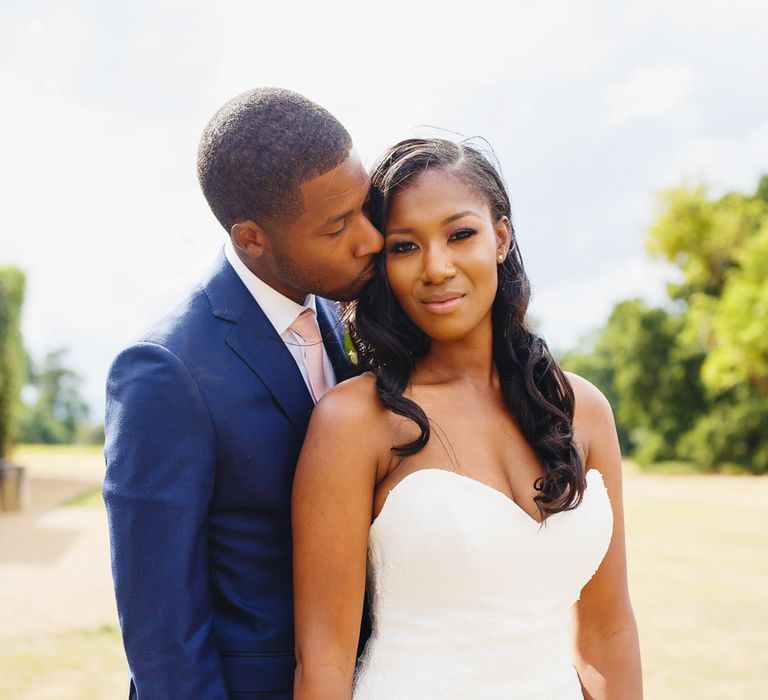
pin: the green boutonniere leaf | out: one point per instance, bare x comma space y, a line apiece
349, 348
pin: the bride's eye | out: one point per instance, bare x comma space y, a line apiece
462, 234
401, 247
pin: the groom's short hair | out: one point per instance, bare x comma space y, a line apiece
259, 148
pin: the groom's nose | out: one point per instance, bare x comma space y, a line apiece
369, 240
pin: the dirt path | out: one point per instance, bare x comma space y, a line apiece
54, 558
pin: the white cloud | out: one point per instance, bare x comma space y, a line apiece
727, 162
576, 306
660, 92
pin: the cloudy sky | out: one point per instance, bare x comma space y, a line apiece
592, 108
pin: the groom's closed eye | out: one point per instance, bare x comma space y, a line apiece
338, 219
338, 232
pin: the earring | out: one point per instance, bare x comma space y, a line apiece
501, 257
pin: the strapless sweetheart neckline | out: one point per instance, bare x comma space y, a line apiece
470, 596
477, 483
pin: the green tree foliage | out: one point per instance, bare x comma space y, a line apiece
58, 413
11, 352
721, 249
734, 430
739, 324
650, 378
692, 383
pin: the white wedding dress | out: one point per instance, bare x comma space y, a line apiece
470, 596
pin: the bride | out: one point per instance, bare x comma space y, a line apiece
465, 479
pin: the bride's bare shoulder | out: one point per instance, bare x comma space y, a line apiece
589, 401
594, 426
356, 394
353, 406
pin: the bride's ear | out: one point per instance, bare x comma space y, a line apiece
503, 237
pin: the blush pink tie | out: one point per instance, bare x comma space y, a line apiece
305, 326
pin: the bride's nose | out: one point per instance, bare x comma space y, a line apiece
438, 265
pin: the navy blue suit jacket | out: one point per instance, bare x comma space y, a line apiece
205, 419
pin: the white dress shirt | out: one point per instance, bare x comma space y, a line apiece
281, 313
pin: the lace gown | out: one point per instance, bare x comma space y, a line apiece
470, 596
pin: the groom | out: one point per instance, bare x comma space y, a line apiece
207, 413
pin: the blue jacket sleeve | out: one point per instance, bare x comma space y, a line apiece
161, 461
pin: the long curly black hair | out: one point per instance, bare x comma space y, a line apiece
536, 392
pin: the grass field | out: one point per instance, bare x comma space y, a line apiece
698, 557
82, 664
698, 549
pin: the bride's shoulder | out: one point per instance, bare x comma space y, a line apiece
593, 423
351, 406
591, 409
357, 393
586, 395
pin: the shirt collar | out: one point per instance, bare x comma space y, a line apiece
278, 308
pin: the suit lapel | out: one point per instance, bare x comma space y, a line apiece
256, 342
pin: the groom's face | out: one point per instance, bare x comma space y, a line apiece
329, 249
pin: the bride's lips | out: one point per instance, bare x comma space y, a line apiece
442, 303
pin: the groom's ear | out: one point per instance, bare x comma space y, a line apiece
250, 238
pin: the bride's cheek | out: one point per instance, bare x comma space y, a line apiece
397, 274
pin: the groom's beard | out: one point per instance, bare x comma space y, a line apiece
353, 290
329, 285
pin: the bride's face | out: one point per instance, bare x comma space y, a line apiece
442, 248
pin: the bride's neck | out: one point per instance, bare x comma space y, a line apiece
468, 359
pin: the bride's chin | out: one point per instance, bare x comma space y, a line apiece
443, 332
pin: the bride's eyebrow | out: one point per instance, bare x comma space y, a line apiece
461, 214
447, 220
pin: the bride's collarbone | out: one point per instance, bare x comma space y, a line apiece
437, 394
474, 438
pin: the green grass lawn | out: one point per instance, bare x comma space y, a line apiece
698, 558
698, 574
83, 664
89, 499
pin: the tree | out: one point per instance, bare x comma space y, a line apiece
58, 411
739, 323
692, 383
702, 237
721, 248
734, 430
11, 352
650, 378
